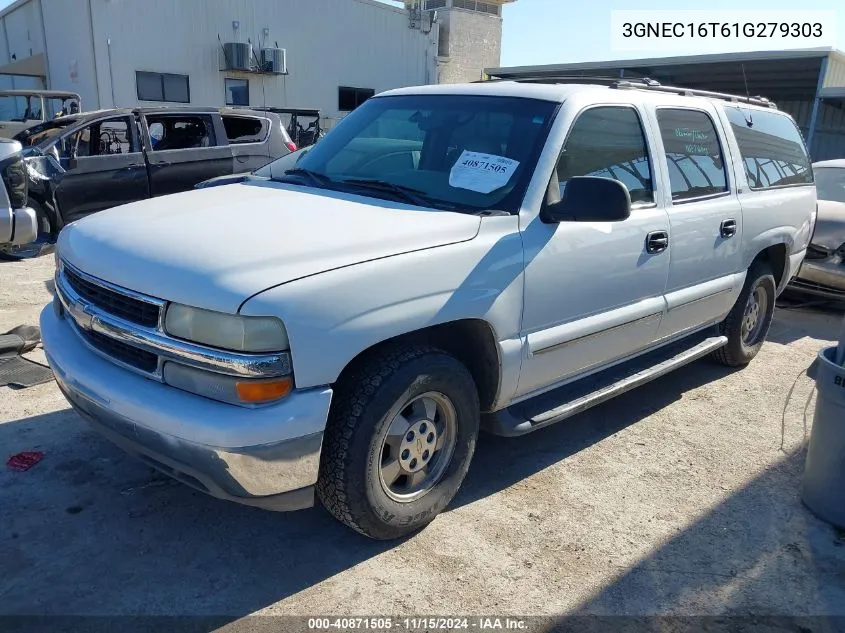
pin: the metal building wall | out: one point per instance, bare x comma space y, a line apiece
330, 43
829, 137
21, 36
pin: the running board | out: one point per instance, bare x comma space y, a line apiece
574, 398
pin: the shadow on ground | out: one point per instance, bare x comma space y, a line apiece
90, 531
794, 321
713, 567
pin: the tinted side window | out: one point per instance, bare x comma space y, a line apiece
608, 142
771, 147
693, 153
171, 131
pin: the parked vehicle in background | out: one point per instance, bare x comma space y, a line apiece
17, 221
822, 274
501, 255
278, 166
78, 165
22, 109
302, 125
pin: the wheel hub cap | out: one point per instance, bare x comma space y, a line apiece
417, 446
752, 319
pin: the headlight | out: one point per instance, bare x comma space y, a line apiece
226, 331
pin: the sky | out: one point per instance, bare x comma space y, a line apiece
566, 31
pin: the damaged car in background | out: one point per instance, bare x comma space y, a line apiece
17, 221
822, 274
82, 164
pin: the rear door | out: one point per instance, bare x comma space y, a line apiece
705, 217
104, 167
250, 138
185, 149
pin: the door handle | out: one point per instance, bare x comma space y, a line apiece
727, 228
657, 241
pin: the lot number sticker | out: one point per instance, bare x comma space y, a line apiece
482, 172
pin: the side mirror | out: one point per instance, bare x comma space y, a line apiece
590, 199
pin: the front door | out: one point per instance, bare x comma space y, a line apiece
594, 290
185, 149
104, 167
705, 220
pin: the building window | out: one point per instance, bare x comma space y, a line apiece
237, 92
162, 87
693, 153
350, 98
431, 5
474, 5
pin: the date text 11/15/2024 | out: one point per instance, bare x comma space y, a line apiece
418, 623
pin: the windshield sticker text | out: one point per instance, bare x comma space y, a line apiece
483, 173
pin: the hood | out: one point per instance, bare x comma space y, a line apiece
830, 225
214, 248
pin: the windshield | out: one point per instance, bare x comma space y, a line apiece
830, 183
453, 152
20, 108
44, 132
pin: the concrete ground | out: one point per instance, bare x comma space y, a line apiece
681, 497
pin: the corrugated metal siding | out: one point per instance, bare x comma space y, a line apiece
835, 75
330, 43
70, 54
23, 27
829, 137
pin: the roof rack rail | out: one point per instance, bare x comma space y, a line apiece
642, 83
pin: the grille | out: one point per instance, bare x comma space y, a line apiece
141, 359
120, 305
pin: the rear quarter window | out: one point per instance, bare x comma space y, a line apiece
771, 147
241, 129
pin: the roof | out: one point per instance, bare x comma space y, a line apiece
545, 92
559, 92
55, 94
778, 75
96, 114
838, 162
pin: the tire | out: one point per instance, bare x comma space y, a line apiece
744, 341
356, 482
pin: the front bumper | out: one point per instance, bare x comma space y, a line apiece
18, 226
266, 457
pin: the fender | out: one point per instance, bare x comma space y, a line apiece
332, 317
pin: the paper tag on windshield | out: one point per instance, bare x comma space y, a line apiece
482, 172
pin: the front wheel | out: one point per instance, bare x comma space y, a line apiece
748, 322
398, 444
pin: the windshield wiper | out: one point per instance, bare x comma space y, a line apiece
409, 194
320, 179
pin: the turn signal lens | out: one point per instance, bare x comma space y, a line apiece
263, 391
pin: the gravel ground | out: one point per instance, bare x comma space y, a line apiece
678, 498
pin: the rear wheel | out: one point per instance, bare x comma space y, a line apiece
748, 322
399, 441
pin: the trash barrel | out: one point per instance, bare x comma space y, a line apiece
823, 488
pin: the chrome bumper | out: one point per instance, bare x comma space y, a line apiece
266, 457
822, 278
18, 226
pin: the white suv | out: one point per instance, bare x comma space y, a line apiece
499, 255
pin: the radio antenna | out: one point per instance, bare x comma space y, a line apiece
748, 118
